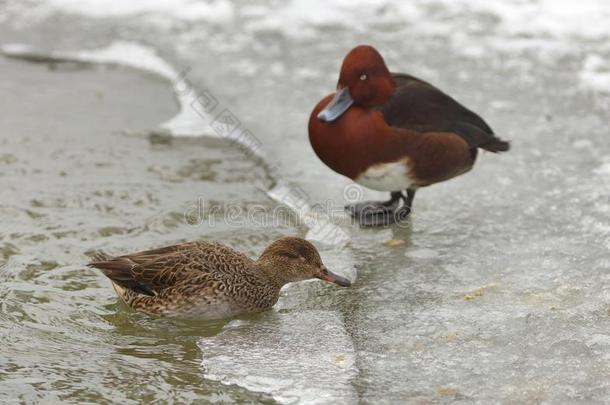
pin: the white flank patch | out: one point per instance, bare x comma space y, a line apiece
387, 177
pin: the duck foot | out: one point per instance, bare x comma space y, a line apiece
383, 213
367, 208
384, 219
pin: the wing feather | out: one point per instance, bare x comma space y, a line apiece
152, 271
418, 105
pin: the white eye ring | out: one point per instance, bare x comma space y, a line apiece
363, 76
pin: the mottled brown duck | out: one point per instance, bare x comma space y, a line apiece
207, 280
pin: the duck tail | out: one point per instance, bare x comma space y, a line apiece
100, 256
119, 270
496, 145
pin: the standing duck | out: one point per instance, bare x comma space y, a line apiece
211, 281
394, 132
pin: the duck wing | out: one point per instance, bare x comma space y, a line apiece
418, 105
152, 271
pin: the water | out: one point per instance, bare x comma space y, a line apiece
496, 291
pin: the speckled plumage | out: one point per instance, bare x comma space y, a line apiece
208, 280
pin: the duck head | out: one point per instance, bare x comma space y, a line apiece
364, 81
292, 259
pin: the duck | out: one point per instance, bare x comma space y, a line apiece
394, 132
210, 281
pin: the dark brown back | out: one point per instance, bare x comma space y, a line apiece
419, 106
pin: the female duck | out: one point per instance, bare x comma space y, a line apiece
394, 132
211, 281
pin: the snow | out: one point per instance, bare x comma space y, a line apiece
595, 73
191, 10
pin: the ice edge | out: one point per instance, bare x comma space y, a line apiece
190, 121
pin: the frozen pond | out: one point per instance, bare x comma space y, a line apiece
498, 290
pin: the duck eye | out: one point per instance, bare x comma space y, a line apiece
363, 76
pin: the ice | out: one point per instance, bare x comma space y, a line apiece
422, 253
321, 228
297, 357
192, 120
595, 73
497, 290
549, 18
190, 10
299, 19
554, 18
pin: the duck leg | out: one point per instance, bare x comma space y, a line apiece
404, 211
391, 213
408, 199
367, 208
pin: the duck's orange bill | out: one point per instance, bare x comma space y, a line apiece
334, 278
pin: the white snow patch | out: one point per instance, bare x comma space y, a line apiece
555, 18
517, 20
603, 170
15, 49
595, 73
218, 11
552, 18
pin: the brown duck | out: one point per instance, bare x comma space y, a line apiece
394, 132
211, 281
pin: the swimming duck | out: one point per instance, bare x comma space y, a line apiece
209, 280
394, 132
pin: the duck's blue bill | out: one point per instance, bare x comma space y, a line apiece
337, 106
